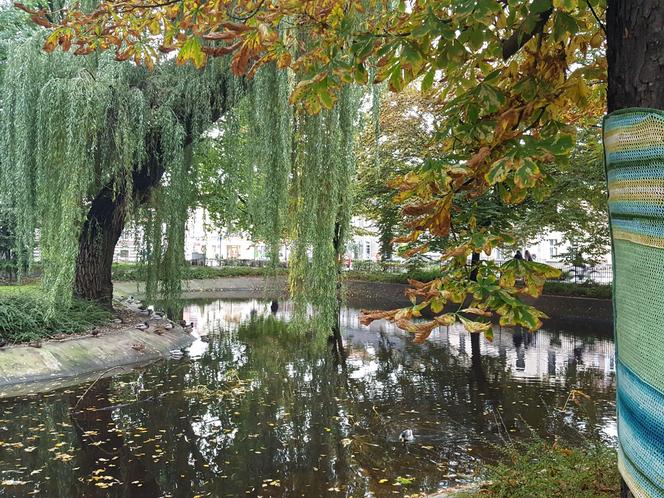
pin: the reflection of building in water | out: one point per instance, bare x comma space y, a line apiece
543, 355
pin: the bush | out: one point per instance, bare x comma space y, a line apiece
598, 291
123, 272
542, 470
24, 318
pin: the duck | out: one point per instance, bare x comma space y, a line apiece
138, 347
35, 344
176, 354
159, 330
94, 332
3, 342
274, 307
143, 326
117, 320
60, 337
169, 325
407, 436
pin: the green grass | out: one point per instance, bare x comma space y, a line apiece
24, 318
542, 471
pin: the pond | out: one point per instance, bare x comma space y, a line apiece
251, 410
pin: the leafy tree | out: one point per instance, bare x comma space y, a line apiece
397, 143
511, 77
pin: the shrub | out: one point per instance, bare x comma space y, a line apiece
542, 470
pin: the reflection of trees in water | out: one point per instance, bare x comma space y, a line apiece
302, 410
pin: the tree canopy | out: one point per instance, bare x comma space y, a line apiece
516, 80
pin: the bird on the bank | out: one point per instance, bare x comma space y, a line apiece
142, 307
407, 436
159, 331
117, 320
138, 347
158, 315
274, 307
35, 344
143, 326
169, 325
3, 342
94, 332
60, 337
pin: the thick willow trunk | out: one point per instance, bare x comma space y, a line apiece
101, 231
103, 226
635, 55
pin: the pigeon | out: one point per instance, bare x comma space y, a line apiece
143, 326
406, 436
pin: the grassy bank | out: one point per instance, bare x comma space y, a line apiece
130, 272
543, 471
24, 318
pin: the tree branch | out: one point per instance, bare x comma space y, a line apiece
599, 21
524, 33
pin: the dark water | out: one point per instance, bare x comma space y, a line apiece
258, 412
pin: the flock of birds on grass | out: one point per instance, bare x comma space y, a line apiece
163, 325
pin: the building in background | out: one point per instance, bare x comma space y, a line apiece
210, 246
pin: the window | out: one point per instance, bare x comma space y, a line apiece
124, 253
232, 252
553, 248
368, 247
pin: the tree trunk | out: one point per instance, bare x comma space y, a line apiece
104, 224
635, 56
101, 231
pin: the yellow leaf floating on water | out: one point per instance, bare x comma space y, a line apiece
383, 481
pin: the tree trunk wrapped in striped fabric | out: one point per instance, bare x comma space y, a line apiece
634, 157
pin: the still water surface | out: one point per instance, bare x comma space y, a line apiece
253, 411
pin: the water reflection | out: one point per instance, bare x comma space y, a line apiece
256, 411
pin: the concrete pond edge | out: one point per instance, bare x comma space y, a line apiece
29, 370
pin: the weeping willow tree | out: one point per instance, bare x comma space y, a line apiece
87, 142
293, 175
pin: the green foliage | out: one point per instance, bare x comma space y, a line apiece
585, 289
24, 317
72, 127
130, 272
324, 170
543, 470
